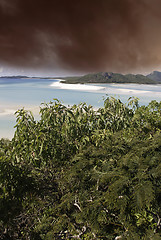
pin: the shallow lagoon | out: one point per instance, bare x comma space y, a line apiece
30, 93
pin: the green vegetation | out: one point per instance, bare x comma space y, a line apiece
105, 77
155, 75
109, 77
83, 174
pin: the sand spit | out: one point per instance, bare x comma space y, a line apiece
77, 87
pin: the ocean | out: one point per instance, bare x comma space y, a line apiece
16, 93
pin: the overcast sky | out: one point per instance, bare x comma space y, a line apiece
58, 37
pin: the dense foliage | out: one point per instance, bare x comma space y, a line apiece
80, 173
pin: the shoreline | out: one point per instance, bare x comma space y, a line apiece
108, 88
77, 86
10, 111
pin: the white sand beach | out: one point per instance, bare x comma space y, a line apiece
131, 91
29, 95
8, 119
4, 111
111, 89
78, 87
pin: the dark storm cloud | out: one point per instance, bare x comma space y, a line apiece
86, 35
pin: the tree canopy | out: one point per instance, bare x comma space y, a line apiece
80, 173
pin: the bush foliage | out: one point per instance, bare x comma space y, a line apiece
80, 173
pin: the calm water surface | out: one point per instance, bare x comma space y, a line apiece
30, 93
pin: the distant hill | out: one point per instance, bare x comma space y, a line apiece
105, 77
18, 76
110, 77
156, 76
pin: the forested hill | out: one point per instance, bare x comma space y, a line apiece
80, 173
109, 77
104, 77
155, 75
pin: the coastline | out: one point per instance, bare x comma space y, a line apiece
8, 119
107, 88
77, 86
4, 111
30, 97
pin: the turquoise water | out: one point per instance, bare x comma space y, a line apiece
28, 93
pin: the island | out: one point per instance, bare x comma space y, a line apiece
102, 77
110, 77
